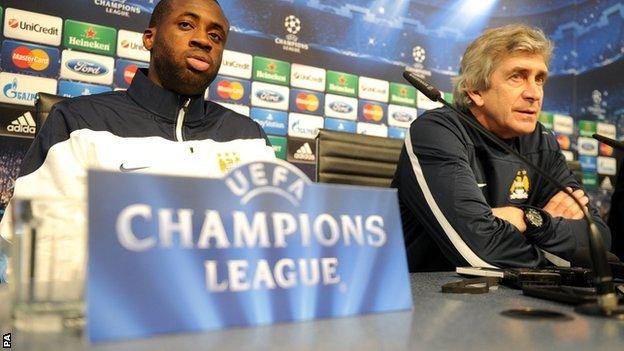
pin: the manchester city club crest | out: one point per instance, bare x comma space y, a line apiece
519, 189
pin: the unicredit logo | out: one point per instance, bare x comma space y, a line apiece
87, 67
269, 96
33, 27
340, 107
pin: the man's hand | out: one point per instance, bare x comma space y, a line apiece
512, 215
561, 205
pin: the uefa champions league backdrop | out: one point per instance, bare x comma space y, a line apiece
298, 65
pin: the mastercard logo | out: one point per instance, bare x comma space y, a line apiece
35, 59
564, 141
606, 150
230, 90
373, 112
307, 102
129, 73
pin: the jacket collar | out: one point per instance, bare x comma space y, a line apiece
162, 102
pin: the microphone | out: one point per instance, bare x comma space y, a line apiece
607, 298
613, 143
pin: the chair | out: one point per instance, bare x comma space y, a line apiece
355, 159
43, 105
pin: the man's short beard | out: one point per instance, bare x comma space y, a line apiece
175, 76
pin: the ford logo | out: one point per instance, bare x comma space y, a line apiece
402, 116
269, 96
87, 67
588, 146
340, 107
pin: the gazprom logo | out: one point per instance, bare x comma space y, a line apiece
11, 91
341, 107
269, 96
88, 67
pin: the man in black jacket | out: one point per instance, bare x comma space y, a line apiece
464, 201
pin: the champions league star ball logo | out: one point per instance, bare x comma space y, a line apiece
292, 24
291, 43
597, 97
419, 54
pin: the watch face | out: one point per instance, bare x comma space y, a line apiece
534, 217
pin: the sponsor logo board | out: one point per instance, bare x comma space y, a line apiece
607, 165
22, 90
271, 71
306, 101
606, 182
340, 125
588, 163
71, 89
304, 126
397, 132
269, 95
569, 155
86, 67
20, 123
241, 109
230, 90
236, 64
563, 124
130, 45
373, 89
372, 112
401, 94
272, 121
587, 146
605, 150
424, 103
590, 180
342, 83
279, 145
401, 116
379, 130
341, 107
587, 128
606, 129
301, 150
89, 37
32, 26
546, 119
23, 57
564, 141
307, 77
125, 71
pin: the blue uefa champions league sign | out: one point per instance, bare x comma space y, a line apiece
261, 246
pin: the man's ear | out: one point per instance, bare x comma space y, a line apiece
149, 35
475, 96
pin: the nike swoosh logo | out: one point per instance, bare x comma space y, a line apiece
130, 169
481, 185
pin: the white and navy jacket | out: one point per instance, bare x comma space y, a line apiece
449, 178
146, 129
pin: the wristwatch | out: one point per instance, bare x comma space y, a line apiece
533, 218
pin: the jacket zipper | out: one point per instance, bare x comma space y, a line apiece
180, 121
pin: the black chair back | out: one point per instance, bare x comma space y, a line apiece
346, 158
43, 105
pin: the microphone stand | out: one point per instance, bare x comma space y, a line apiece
607, 299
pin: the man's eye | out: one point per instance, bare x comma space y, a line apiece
216, 37
515, 77
185, 25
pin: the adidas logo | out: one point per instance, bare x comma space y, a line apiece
304, 153
23, 124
